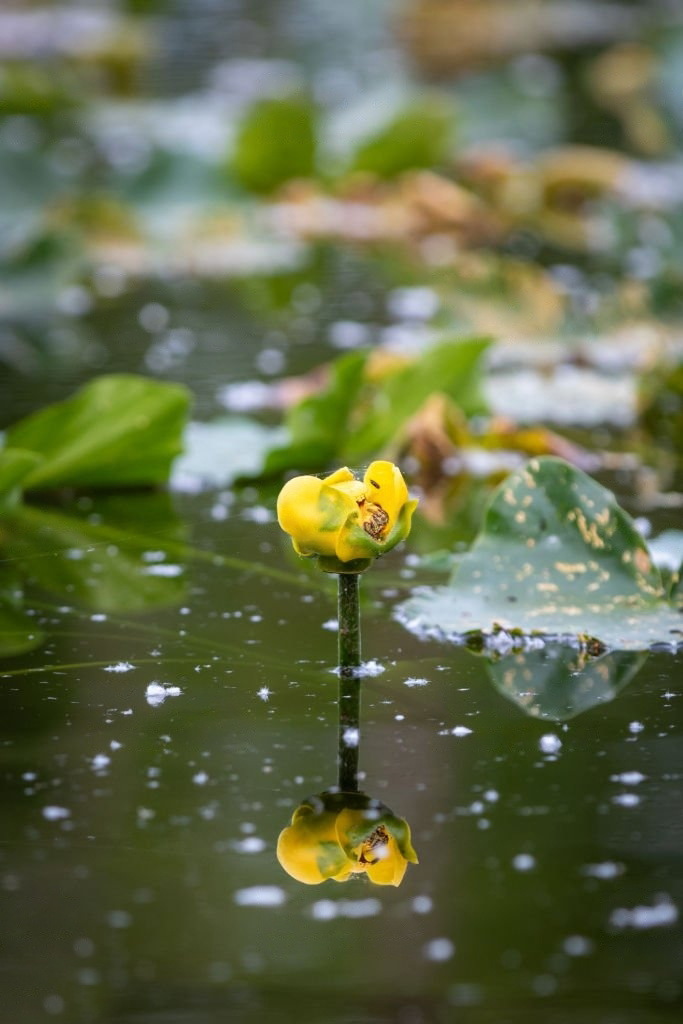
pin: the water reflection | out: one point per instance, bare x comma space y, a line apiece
560, 682
112, 560
343, 833
338, 835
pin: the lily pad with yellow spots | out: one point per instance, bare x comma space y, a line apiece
556, 556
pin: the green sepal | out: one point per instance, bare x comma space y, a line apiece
329, 563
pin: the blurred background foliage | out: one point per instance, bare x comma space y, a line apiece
447, 232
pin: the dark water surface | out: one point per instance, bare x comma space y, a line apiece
151, 757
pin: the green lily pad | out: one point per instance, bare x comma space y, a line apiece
219, 452
117, 431
557, 682
557, 556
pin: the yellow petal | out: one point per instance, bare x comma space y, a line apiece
385, 486
312, 513
308, 849
340, 476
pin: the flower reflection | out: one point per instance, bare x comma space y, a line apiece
336, 835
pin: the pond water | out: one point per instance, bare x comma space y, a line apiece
176, 697
151, 755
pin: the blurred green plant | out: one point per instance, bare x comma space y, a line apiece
275, 142
419, 136
117, 431
365, 404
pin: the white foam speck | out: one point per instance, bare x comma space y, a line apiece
331, 624
250, 844
120, 666
550, 743
264, 693
164, 569
439, 950
100, 762
156, 693
327, 910
411, 681
324, 910
54, 813
605, 870
260, 896
461, 730
119, 919
422, 904
577, 945
523, 862
200, 779
663, 913
351, 737
369, 907
629, 778
636, 727
626, 799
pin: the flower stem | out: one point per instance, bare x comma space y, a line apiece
349, 681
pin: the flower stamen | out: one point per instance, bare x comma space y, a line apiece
374, 519
380, 837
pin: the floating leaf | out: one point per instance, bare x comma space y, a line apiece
556, 555
117, 431
558, 682
217, 453
275, 143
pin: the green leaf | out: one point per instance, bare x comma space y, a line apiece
417, 137
559, 682
15, 465
556, 555
451, 367
275, 143
318, 424
117, 431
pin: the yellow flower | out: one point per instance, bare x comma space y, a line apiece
337, 835
346, 522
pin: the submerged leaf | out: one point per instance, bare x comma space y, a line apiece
97, 566
117, 431
556, 555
